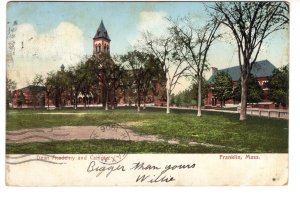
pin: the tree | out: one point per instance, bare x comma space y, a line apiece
37, 89
117, 75
21, 99
51, 88
223, 87
250, 23
75, 81
10, 86
57, 85
166, 51
105, 69
136, 63
254, 90
279, 86
86, 79
196, 42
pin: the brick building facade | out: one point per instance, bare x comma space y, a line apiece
29, 96
262, 70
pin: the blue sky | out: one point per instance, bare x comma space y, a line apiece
120, 18
63, 31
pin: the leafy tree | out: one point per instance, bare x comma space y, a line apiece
250, 24
108, 74
117, 75
223, 87
52, 88
57, 84
10, 86
21, 99
86, 79
37, 89
279, 86
154, 76
254, 91
137, 63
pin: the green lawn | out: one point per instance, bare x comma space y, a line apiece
255, 135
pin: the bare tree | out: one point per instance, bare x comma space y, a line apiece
164, 49
250, 23
196, 43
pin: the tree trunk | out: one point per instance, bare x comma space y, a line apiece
144, 98
113, 101
60, 99
199, 97
106, 100
48, 100
243, 112
84, 101
138, 100
34, 102
75, 104
168, 96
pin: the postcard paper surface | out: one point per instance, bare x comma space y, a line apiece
147, 93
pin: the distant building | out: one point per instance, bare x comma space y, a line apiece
25, 97
262, 70
29, 96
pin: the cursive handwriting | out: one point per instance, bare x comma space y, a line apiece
149, 173
100, 169
162, 177
142, 166
153, 179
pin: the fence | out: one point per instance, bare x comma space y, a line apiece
270, 113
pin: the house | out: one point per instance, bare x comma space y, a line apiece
29, 96
262, 70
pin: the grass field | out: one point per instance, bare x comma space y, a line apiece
255, 135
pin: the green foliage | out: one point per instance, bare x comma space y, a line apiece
37, 89
146, 71
57, 84
21, 98
189, 97
223, 87
254, 90
279, 86
10, 86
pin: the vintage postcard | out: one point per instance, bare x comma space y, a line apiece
147, 93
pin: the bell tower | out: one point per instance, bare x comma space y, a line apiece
101, 40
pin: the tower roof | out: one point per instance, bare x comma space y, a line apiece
102, 32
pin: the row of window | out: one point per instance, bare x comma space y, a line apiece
104, 49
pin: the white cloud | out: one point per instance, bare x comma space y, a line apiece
149, 21
152, 21
43, 52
